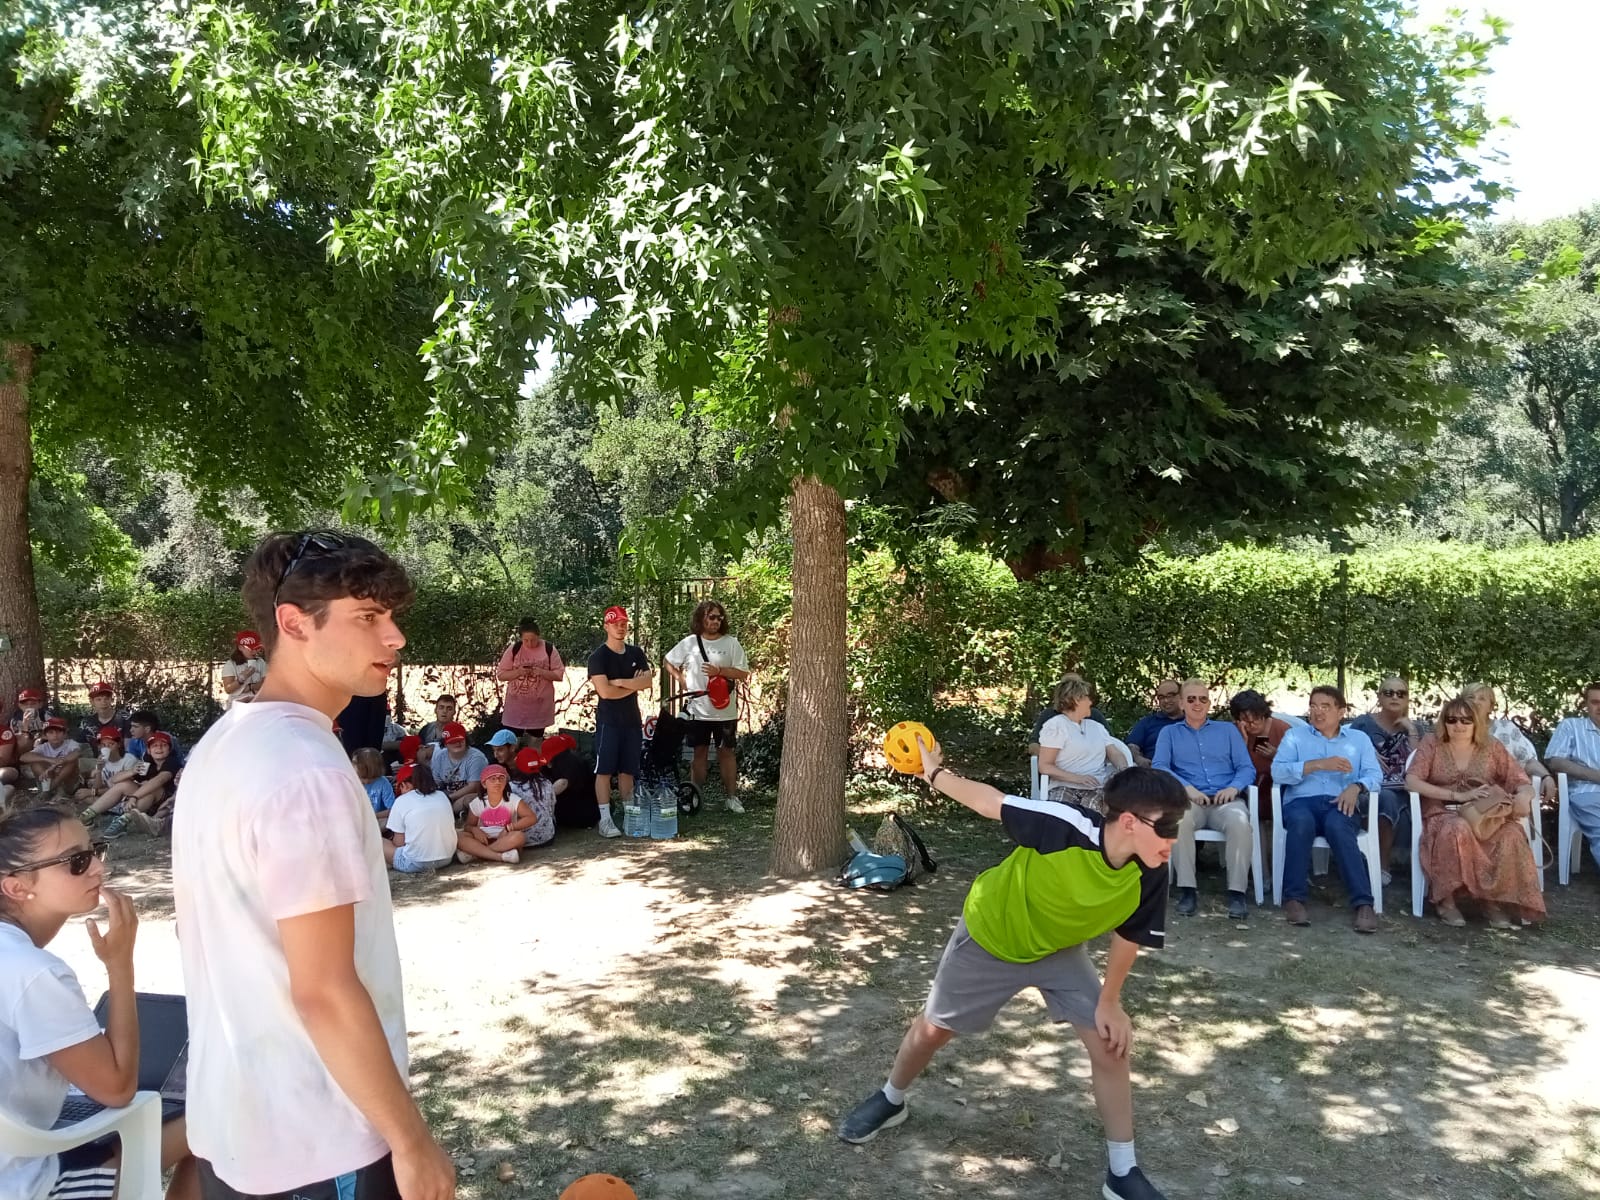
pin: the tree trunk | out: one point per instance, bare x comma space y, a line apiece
809, 834
22, 663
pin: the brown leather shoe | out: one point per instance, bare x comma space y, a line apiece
1294, 912
1366, 919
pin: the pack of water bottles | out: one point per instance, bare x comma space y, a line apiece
651, 812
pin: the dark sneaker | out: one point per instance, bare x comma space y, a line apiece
1238, 910
1132, 1186
870, 1118
1188, 901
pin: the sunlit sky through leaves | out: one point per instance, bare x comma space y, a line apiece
1541, 81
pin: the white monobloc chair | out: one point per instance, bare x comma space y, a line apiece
1252, 797
137, 1124
1419, 884
1569, 837
1366, 842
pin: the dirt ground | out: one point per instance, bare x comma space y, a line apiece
666, 1013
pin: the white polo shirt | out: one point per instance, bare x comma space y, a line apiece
275, 824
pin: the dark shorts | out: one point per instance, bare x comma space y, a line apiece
525, 733
375, 1181
972, 985
724, 735
616, 749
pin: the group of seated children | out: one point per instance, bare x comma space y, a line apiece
449, 800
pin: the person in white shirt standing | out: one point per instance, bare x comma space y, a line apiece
710, 664
298, 1062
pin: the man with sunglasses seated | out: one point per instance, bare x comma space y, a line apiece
1074, 875
1395, 738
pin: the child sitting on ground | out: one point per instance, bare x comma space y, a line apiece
155, 790
114, 766
421, 832
369, 769
529, 785
496, 821
54, 761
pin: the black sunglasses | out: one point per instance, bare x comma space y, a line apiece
324, 543
1458, 721
77, 861
1164, 827
1393, 692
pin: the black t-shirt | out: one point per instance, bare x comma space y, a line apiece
89, 731
362, 722
614, 666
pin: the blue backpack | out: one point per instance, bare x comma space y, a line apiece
899, 856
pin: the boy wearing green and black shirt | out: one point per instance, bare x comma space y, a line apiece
1073, 876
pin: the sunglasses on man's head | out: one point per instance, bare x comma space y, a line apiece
323, 543
77, 861
1392, 693
1164, 827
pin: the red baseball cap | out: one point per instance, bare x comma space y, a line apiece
55, 723
27, 694
494, 770
528, 760
552, 746
110, 733
452, 731
404, 773
247, 639
102, 688
616, 613
158, 736
410, 747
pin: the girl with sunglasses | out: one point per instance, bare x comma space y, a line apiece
49, 1038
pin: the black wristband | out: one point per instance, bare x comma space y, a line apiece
934, 776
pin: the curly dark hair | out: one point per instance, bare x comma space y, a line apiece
697, 622
310, 569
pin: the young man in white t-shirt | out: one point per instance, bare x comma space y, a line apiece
54, 761
297, 1055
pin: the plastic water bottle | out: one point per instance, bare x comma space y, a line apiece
664, 817
635, 820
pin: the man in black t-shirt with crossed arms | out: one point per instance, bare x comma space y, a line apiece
619, 671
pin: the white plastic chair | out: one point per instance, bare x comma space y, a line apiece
1253, 799
138, 1125
1569, 835
1530, 827
1366, 842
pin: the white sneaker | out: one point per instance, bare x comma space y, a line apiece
608, 827
463, 857
510, 856
733, 804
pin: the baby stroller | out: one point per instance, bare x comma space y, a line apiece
662, 757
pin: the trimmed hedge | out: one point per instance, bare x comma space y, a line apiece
961, 627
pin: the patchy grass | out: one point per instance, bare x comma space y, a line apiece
669, 1014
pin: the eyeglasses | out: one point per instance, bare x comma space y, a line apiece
1166, 695
1394, 693
1197, 699
324, 543
1458, 721
1164, 827
77, 861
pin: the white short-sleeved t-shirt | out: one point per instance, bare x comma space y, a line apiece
1080, 745
67, 749
42, 1010
724, 651
251, 674
276, 825
110, 768
427, 822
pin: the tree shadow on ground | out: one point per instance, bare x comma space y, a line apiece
744, 1015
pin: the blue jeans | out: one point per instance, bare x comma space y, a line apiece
1318, 816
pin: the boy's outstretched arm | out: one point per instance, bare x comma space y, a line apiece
979, 797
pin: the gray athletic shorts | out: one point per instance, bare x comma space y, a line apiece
972, 985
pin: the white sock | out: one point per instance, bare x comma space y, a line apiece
893, 1094
1120, 1156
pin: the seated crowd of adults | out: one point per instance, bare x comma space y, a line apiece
1472, 772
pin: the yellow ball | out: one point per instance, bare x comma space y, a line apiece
900, 746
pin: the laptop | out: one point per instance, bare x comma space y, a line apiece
163, 1056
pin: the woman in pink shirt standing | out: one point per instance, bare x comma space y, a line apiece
531, 667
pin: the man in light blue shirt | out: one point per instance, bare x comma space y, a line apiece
1574, 751
1323, 769
1212, 762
